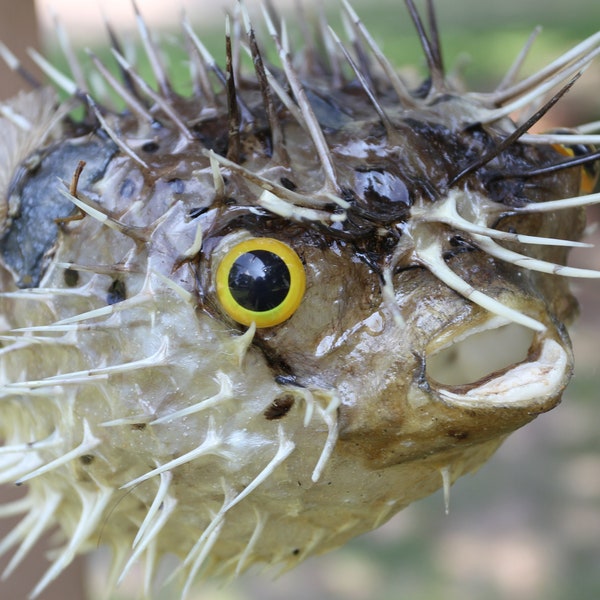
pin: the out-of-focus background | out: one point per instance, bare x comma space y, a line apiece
527, 525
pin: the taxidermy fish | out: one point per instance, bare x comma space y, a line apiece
246, 325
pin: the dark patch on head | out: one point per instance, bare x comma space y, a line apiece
263, 137
459, 245
36, 195
423, 90
138, 426
150, 147
506, 191
288, 184
127, 189
347, 194
385, 193
296, 551
330, 114
194, 213
213, 134
381, 200
87, 459
269, 225
287, 380
458, 435
177, 185
279, 407
480, 141
70, 277
117, 292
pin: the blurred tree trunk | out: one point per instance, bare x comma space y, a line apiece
18, 30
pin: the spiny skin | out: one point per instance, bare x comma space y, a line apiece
142, 417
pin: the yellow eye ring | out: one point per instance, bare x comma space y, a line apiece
260, 280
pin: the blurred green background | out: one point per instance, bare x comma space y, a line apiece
527, 525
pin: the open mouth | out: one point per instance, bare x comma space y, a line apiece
497, 362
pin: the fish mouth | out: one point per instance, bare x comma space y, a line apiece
499, 363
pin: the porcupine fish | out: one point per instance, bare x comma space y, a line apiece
247, 325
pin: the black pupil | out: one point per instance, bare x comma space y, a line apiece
259, 280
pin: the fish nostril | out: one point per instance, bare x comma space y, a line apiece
479, 353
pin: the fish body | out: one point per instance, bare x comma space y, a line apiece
245, 326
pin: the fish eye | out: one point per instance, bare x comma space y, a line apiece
260, 280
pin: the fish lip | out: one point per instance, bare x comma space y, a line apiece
535, 382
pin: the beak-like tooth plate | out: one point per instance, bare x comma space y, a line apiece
530, 382
498, 364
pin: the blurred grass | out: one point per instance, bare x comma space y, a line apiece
527, 526
480, 39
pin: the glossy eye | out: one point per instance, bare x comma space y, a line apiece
260, 280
